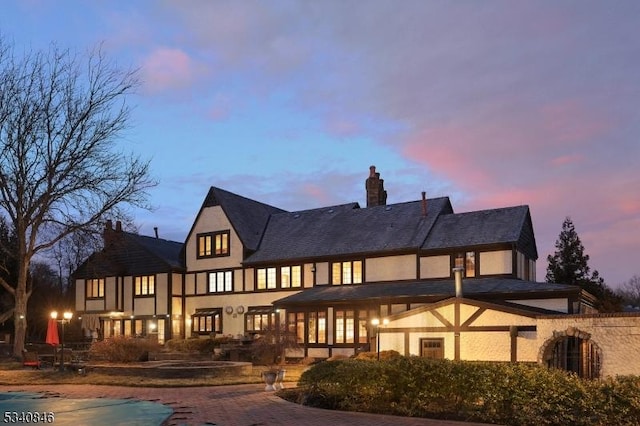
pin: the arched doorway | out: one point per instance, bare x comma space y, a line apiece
572, 350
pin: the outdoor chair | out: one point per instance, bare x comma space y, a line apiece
30, 359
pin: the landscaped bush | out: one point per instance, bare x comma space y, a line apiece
204, 346
503, 393
123, 349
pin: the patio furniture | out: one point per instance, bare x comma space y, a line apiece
30, 359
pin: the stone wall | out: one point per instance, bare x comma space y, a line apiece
616, 335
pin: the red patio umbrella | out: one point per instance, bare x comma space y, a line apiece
52, 332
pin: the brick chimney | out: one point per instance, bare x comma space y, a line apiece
109, 234
376, 195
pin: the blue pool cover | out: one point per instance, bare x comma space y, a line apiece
23, 407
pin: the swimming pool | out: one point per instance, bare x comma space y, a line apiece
21, 408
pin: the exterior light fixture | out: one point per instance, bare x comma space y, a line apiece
66, 318
376, 323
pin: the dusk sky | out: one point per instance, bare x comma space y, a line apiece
492, 103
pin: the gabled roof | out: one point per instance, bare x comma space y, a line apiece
506, 307
132, 254
494, 226
483, 288
348, 230
248, 217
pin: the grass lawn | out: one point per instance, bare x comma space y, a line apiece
13, 373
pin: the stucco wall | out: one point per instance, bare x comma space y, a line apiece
213, 219
390, 268
496, 262
435, 267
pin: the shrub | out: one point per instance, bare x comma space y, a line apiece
504, 393
204, 346
123, 349
373, 356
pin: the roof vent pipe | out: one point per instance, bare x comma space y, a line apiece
457, 273
155, 229
424, 203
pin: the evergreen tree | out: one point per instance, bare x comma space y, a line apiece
570, 265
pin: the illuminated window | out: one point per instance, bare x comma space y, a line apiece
220, 281
283, 277
213, 244
145, 285
309, 327
467, 261
206, 321
351, 326
347, 272
470, 264
317, 327
290, 276
345, 326
295, 325
259, 319
95, 288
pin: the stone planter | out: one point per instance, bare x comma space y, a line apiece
269, 377
280, 379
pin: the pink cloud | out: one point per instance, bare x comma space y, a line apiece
567, 159
166, 69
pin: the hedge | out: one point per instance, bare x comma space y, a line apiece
504, 393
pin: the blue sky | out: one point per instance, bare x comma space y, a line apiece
493, 103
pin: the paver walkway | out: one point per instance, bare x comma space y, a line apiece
242, 405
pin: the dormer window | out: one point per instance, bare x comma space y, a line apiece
213, 244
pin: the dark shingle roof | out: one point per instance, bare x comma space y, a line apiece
435, 290
248, 217
493, 226
132, 254
347, 230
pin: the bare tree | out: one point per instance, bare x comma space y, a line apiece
60, 170
630, 291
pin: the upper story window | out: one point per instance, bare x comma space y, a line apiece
467, 261
145, 285
95, 288
213, 244
282, 277
346, 272
220, 281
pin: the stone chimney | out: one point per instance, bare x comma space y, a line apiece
376, 195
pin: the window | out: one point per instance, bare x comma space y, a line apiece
347, 272
220, 281
467, 261
295, 325
207, 321
308, 326
345, 326
145, 285
432, 348
290, 276
283, 277
213, 244
351, 326
95, 288
317, 330
259, 319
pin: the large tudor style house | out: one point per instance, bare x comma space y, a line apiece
414, 277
